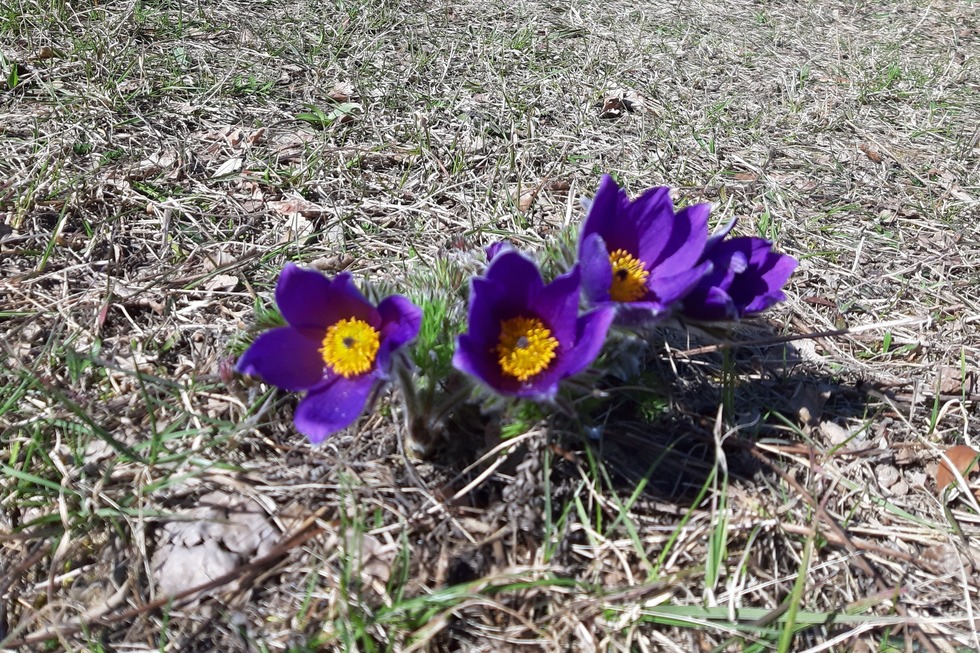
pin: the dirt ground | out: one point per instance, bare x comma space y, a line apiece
769, 488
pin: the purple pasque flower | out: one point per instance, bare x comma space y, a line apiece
525, 336
747, 277
337, 347
640, 253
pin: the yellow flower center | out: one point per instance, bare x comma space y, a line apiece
525, 347
629, 282
350, 347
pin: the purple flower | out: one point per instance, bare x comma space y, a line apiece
337, 347
641, 253
524, 336
493, 249
747, 277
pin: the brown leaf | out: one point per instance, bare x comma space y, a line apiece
965, 460
297, 205
870, 152
612, 108
527, 199
952, 381
341, 92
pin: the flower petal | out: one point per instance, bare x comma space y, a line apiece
669, 290
719, 235
332, 406
603, 209
474, 356
591, 335
498, 247
557, 305
307, 299
518, 274
285, 357
400, 320
684, 247
709, 304
596, 269
655, 230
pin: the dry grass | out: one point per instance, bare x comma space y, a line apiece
162, 160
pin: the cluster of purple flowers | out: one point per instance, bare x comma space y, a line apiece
639, 261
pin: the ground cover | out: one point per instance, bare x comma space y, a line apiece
161, 162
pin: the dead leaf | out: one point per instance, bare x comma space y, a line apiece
297, 205
376, 559
527, 199
965, 460
887, 475
952, 381
256, 136
230, 166
870, 152
224, 282
944, 558
341, 92
621, 101
223, 532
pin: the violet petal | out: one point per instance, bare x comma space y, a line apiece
591, 336
332, 406
285, 357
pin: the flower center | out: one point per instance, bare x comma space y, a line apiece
525, 347
629, 282
350, 347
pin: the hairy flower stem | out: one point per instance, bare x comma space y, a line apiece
426, 420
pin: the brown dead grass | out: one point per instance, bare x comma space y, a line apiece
154, 178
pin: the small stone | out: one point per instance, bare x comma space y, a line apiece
835, 433
900, 489
887, 476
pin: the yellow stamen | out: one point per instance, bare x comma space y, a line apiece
525, 347
629, 282
350, 347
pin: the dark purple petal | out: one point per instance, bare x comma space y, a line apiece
596, 269
401, 321
332, 406
655, 233
475, 356
501, 295
307, 299
518, 275
709, 304
493, 249
760, 286
747, 278
303, 297
694, 221
483, 318
285, 357
604, 208
761, 302
348, 302
719, 235
400, 324
590, 336
557, 306
643, 223
669, 290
